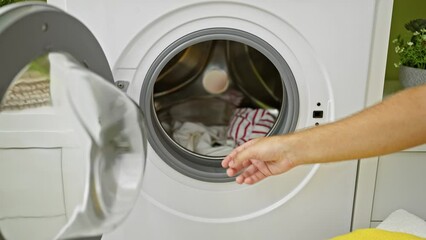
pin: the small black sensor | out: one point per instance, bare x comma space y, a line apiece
318, 114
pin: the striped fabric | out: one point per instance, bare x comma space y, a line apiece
248, 123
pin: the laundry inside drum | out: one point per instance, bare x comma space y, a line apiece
215, 95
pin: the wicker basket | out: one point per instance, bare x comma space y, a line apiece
32, 90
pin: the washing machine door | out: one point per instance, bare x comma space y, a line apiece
72, 145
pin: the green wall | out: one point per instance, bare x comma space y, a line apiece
5, 2
403, 12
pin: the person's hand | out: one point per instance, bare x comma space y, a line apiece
258, 159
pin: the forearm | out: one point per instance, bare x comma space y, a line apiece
397, 123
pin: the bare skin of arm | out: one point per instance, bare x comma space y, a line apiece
397, 123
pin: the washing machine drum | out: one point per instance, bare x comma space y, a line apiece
212, 90
72, 145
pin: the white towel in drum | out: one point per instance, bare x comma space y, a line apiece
197, 137
403, 221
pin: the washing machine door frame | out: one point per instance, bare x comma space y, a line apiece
31, 30
35, 29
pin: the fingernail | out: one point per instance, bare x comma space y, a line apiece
231, 163
223, 164
240, 179
229, 172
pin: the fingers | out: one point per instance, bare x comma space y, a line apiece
227, 159
234, 171
252, 176
254, 171
234, 159
236, 166
246, 160
245, 152
238, 160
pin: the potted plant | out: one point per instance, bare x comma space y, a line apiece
412, 54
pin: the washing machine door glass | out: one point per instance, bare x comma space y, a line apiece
211, 91
72, 145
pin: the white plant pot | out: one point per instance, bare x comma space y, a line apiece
411, 77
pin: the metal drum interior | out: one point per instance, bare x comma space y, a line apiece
211, 92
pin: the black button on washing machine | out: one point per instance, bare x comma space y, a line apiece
318, 114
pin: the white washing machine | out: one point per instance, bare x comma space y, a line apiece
305, 62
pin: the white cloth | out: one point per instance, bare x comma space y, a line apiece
201, 139
403, 221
